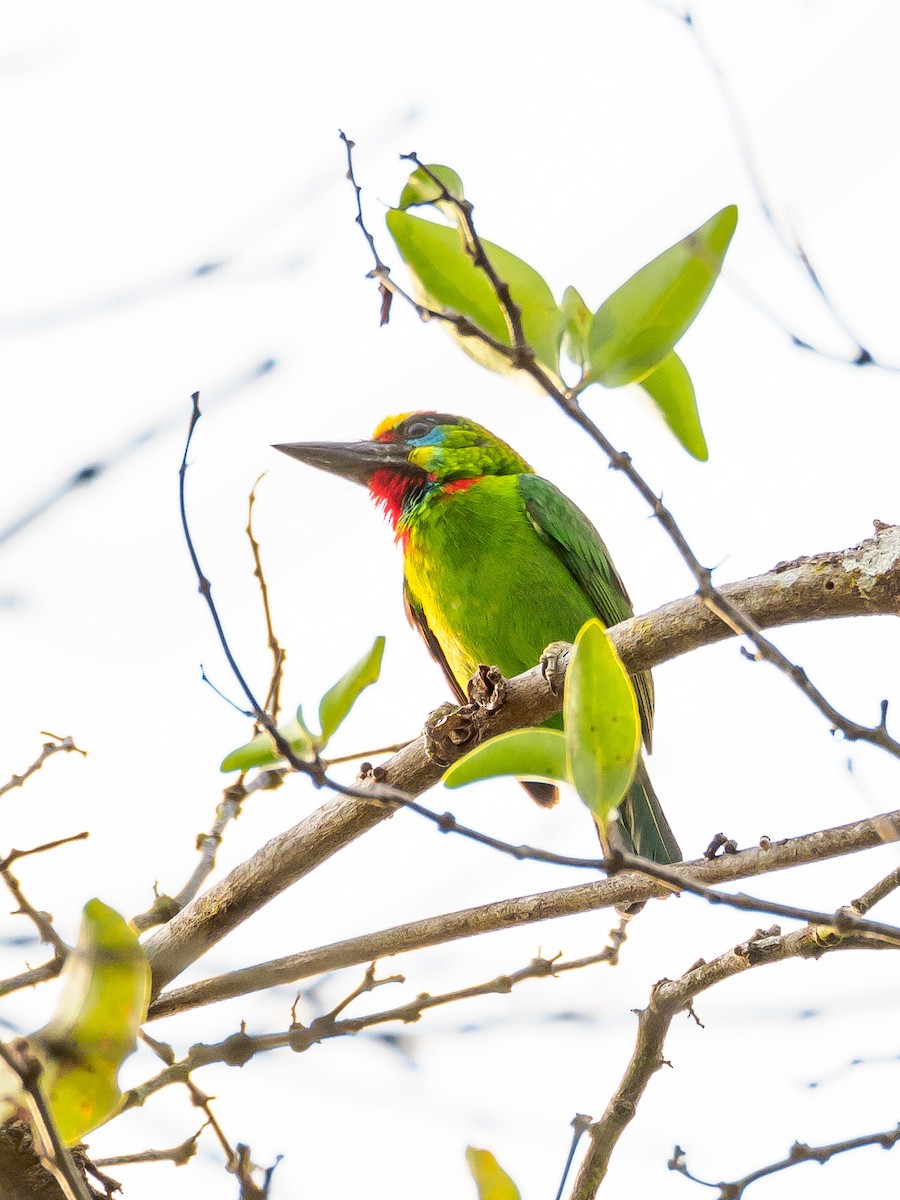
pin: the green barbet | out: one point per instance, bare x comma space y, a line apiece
498, 564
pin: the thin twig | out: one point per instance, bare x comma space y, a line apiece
272, 703
165, 907
798, 1153
878, 892
283, 746
179, 1155
42, 921
240, 1047
58, 745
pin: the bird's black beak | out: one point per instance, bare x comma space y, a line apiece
357, 461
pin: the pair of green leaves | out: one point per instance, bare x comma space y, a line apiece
333, 709
103, 1003
600, 748
629, 339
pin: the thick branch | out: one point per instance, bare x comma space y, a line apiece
863, 580
621, 891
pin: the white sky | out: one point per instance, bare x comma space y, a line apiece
141, 143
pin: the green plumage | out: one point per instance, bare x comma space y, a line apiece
498, 564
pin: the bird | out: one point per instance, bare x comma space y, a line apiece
498, 564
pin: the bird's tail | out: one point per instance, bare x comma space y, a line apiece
644, 823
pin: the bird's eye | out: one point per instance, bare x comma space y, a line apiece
418, 429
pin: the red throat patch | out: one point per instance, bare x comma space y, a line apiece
389, 489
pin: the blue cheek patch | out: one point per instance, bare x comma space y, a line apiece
434, 438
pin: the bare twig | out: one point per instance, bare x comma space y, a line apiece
668, 998
798, 1153
285, 750
57, 745
877, 893
42, 921
165, 907
179, 1155
620, 891
273, 696
32, 977
241, 1047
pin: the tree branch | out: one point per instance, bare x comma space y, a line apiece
620, 891
862, 580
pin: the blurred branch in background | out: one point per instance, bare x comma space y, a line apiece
93, 471
236, 244
781, 227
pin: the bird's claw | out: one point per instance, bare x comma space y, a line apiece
446, 729
488, 688
552, 666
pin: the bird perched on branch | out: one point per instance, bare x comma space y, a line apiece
498, 564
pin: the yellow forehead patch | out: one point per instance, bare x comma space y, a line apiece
388, 424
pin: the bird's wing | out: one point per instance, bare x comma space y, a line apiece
544, 794
579, 546
417, 620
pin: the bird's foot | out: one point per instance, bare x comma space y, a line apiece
448, 728
487, 688
553, 668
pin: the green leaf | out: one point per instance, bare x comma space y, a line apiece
672, 391
640, 323
603, 731
447, 280
524, 753
103, 1003
420, 189
492, 1181
578, 318
261, 751
338, 700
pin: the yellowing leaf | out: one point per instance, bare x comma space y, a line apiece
603, 731
104, 998
492, 1181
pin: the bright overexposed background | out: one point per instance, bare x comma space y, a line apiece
144, 144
